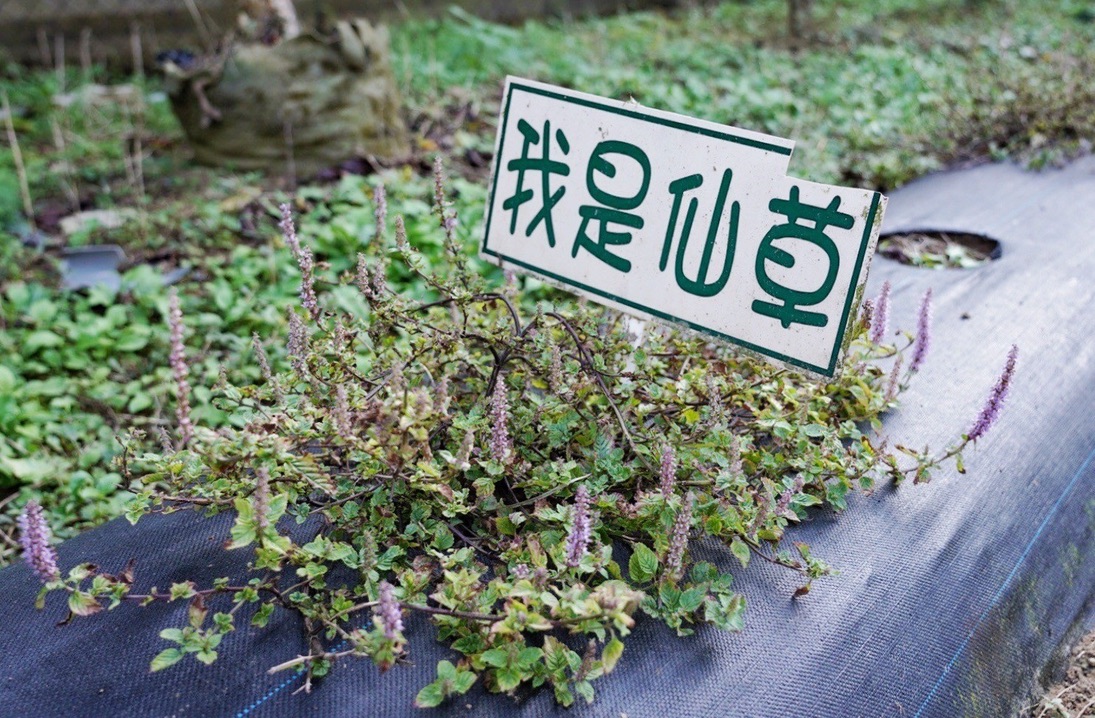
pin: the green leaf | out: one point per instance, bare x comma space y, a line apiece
643, 565
496, 657
508, 678
131, 342
529, 656
430, 696
277, 508
463, 682
741, 552
782, 429
166, 658
184, 589
611, 654
7, 380
670, 597
446, 670
726, 611
243, 531
692, 599
83, 604
563, 695
41, 339
172, 634
262, 616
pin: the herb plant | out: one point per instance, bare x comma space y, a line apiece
527, 474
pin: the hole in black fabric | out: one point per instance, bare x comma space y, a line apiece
939, 250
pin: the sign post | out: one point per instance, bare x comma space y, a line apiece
695, 223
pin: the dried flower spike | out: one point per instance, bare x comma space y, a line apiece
298, 344
260, 500
866, 314
388, 616
34, 536
783, 505
264, 367
880, 322
991, 411
370, 279
441, 399
893, 384
463, 456
668, 474
165, 441
558, 381
401, 236
380, 199
363, 278
441, 206
923, 341
368, 551
397, 382
678, 540
501, 446
180, 369
343, 425
581, 528
736, 465
714, 400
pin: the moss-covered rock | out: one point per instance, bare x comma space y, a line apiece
305, 103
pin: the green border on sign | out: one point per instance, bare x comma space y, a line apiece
828, 371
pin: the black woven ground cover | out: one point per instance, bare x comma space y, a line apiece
950, 596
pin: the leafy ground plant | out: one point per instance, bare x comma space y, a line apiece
526, 476
885, 92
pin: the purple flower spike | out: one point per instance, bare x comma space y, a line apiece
678, 540
581, 530
991, 411
501, 446
305, 261
180, 369
380, 199
34, 535
880, 322
923, 341
668, 471
388, 615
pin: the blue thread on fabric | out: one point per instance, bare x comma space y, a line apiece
269, 694
277, 689
1000, 592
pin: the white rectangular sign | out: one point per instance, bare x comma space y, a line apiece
661, 215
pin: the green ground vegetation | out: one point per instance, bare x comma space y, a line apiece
880, 93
